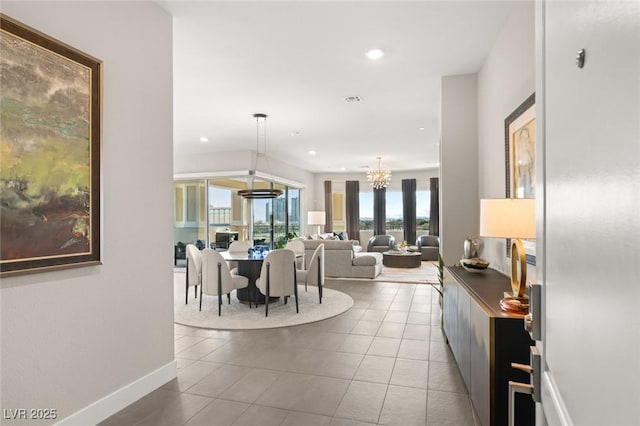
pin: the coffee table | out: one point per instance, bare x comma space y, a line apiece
401, 259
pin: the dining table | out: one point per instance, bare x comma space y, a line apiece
249, 266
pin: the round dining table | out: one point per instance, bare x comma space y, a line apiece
249, 266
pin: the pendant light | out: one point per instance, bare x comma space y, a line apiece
252, 193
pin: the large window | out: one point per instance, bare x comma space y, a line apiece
423, 206
219, 206
274, 218
366, 211
394, 217
205, 209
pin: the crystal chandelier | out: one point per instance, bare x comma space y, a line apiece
379, 178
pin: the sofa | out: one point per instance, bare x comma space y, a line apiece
342, 261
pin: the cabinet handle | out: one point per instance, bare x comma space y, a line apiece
533, 320
515, 387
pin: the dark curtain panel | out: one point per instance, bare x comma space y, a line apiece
328, 207
379, 211
353, 209
409, 209
434, 219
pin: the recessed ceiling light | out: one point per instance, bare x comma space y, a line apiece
204, 139
420, 128
342, 169
312, 152
375, 54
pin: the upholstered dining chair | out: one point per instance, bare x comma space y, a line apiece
194, 271
315, 274
240, 247
381, 243
217, 279
298, 248
278, 277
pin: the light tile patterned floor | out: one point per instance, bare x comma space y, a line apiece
384, 362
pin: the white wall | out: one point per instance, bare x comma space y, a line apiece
505, 80
70, 338
459, 204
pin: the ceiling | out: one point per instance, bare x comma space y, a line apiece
298, 61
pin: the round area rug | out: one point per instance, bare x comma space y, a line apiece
238, 316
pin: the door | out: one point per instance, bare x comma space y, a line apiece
589, 213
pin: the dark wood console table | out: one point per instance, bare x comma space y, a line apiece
485, 341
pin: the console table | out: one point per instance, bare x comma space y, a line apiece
485, 341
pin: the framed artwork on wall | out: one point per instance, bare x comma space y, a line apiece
520, 160
50, 153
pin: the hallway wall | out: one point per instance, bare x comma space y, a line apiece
71, 338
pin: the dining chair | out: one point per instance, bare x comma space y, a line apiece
278, 277
237, 247
217, 279
315, 274
194, 271
298, 248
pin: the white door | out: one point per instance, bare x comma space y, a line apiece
589, 236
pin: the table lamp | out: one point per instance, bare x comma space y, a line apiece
316, 218
511, 218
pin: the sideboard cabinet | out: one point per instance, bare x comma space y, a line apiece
485, 341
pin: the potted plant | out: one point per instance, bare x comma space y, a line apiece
282, 242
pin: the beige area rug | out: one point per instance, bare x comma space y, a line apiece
238, 316
427, 273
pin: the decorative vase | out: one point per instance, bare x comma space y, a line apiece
471, 248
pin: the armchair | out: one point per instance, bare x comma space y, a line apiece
380, 243
429, 246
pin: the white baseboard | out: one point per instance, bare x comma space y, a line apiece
116, 401
555, 411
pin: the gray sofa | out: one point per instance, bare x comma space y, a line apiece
342, 262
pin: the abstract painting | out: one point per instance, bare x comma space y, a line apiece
520, 159
49, 153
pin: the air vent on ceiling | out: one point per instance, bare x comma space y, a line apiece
352, 99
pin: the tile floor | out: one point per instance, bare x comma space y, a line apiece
383, 362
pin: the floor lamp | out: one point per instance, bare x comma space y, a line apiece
316, 218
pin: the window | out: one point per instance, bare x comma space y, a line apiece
219, 206
394, 217
366, 211
423, 206
294, 210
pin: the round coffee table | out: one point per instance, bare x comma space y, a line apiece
401, 260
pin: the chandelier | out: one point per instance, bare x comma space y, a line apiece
252, 193
379, 178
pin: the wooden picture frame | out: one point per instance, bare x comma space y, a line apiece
520, 160
50, 144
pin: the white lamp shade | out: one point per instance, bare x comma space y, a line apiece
508, 218
316, 218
